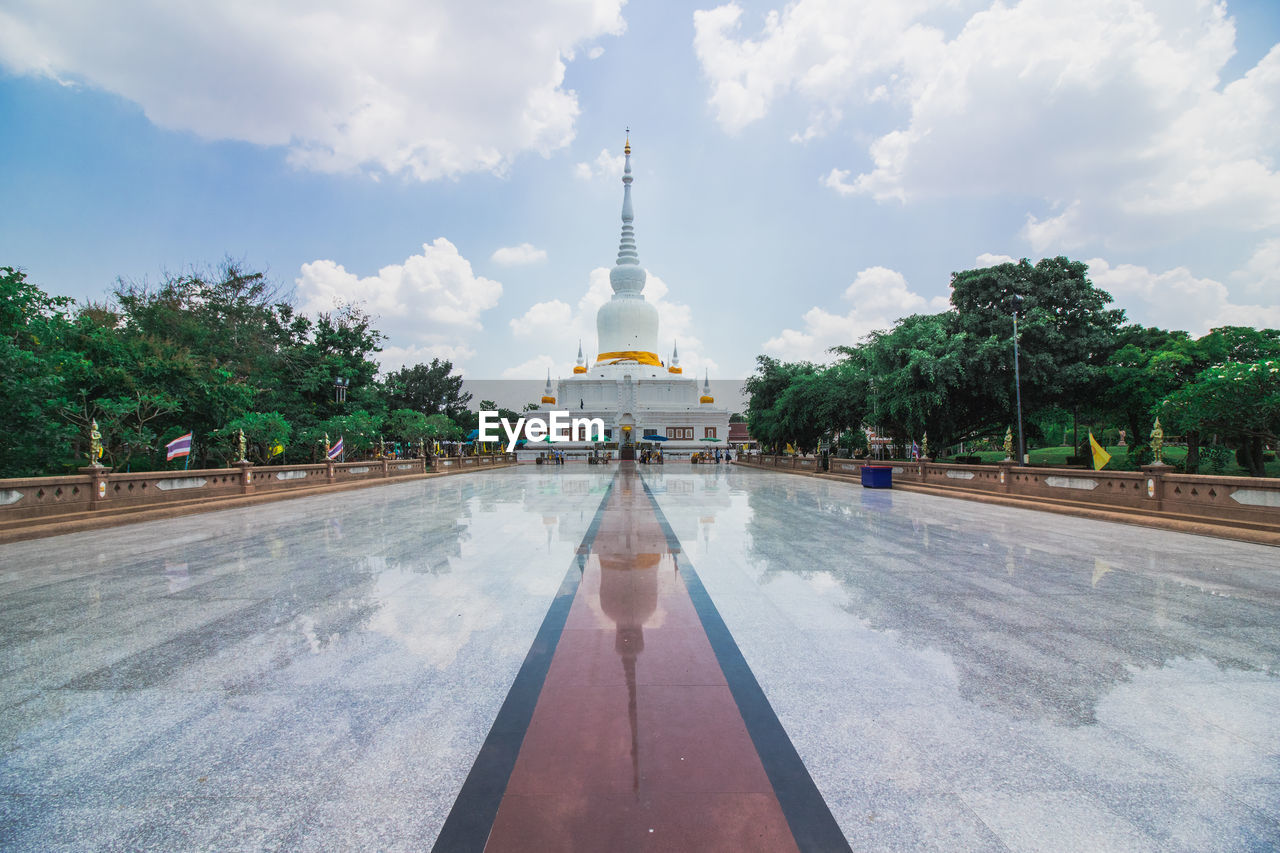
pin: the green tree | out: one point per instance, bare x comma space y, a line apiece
765, 420
1147, 366
919, 379
359, 431
263, 431
33, 387
405, 425
1237, 400
797, 414
428, 388
1066, 331
440, 427
1151, 364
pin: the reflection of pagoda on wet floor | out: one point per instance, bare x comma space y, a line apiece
635, 725
629, 598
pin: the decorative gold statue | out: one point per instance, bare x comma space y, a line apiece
326, 445
240, 445
924, 448
95, 444
1008, 444
1157, 442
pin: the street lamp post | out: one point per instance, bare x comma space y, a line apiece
1017, 379
340, 389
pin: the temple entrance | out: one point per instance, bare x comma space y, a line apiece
627, 441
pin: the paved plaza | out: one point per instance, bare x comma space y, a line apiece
665, 658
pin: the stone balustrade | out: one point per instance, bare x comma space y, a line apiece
101, 489
1156, 488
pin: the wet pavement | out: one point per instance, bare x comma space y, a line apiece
572, 658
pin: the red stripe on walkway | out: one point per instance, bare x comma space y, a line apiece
636, 742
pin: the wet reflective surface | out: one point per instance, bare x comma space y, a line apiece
959, 676
311, 674
321, 673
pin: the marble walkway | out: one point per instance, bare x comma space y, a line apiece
676, 658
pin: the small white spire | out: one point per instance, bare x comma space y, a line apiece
675, 355
581, 361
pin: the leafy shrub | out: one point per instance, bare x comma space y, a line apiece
1215, 457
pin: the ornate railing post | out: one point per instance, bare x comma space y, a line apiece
1155, 484
1006, 474
99, 477
246, 476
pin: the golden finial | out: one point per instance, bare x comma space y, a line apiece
627, 148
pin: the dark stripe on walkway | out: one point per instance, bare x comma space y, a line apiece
811, 822
471, 818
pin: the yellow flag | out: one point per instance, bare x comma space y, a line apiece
1100, 456
277, 450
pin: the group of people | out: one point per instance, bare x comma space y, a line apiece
648, 456
715, 456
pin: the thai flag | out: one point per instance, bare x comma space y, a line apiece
180, 446
336, 450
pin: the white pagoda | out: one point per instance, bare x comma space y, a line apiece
628, 386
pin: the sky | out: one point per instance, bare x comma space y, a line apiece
804, 173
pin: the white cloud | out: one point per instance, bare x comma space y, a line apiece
563, 325
826, 51
543, 318
430, 304
425, 89
525, 253
1056, 234
879, 296
1176, 299
595, 52
838, 180
605, 165
536, 367
988, 259
1260, 276
393, 357
1110, 113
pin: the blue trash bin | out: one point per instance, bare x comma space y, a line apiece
877, 476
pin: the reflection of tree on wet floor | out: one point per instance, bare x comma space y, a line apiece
1033, 621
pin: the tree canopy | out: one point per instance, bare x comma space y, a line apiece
211, 353
950, 375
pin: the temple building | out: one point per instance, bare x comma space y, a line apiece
628, 386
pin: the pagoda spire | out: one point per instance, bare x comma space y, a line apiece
674, 366
627, 276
